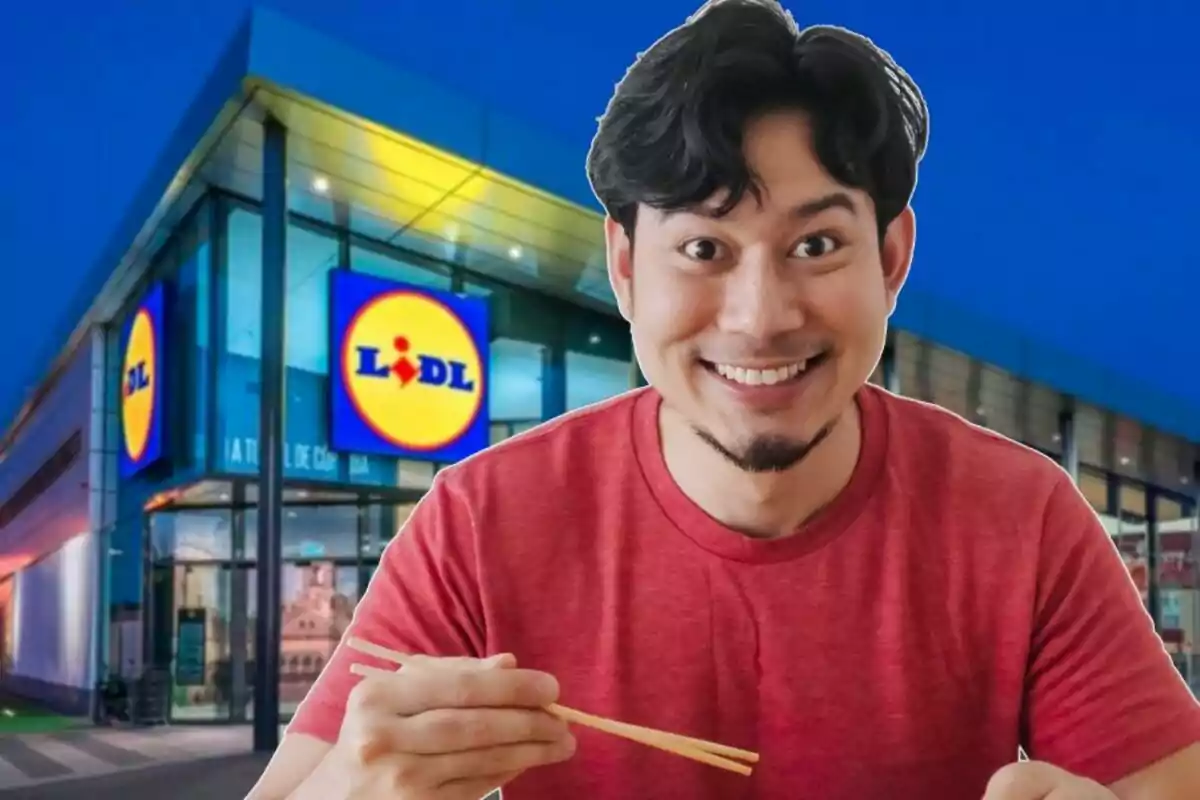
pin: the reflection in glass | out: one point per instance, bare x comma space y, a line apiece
200, 663
1180, 598
318, 604
372, 262
311, 532
310, 257
383, 523
192, 535
516, 378
592, 378
243, 283
525, 326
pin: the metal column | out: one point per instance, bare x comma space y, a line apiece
1153, 559
1069, 441
554, 381
270, 436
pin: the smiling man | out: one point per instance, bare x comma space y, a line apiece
760, 549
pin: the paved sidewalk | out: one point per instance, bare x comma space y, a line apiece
36, 759
212, 779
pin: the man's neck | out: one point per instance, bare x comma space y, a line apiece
763, 505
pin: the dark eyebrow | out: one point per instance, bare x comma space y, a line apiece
812, 208
804, 211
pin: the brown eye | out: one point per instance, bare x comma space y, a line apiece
815, 246
703, 249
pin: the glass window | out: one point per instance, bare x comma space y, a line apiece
310, 257
1042, 419
238, 366
1132, 446
1089, 435
525, 327
1131, 534
912, 358
1094, 486
367, 259
243, 283
311, 532
950, 376
192, 535
516, 374
189, 335
599, 358
999, 399
1176, 531
383, 523
1178, 576
593, 378
1171, 464
318, 606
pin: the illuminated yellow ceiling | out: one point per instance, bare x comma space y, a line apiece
413, 189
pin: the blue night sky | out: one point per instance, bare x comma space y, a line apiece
1063, 159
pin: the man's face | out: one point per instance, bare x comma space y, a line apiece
759, 327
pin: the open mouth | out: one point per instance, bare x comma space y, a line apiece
766, 376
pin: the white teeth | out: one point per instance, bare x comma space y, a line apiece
758, 377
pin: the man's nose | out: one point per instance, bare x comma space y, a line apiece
760, 302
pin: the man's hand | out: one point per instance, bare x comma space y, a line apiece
1034, 780
447, 729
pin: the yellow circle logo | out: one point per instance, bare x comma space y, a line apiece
139, 374
412, 370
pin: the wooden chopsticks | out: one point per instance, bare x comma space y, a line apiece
705, 752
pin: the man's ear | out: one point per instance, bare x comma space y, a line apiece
896, 254
619, 250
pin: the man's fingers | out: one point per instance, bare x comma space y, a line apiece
417, 689
483, 765
451, 730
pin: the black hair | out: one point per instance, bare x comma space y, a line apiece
671, 136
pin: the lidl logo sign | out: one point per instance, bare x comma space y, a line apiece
409, 369
141, 389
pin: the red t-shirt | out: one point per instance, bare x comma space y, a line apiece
958, 599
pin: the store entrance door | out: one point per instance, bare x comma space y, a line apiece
200, 602
192, 617
318, 602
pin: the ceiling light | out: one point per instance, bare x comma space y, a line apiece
320, 184
594, 339
514, 252
1124, 461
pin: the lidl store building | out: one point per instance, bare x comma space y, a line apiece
408, 275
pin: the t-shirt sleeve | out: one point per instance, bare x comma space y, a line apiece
1103, 699
422, 599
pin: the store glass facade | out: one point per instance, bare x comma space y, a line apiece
183, 575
